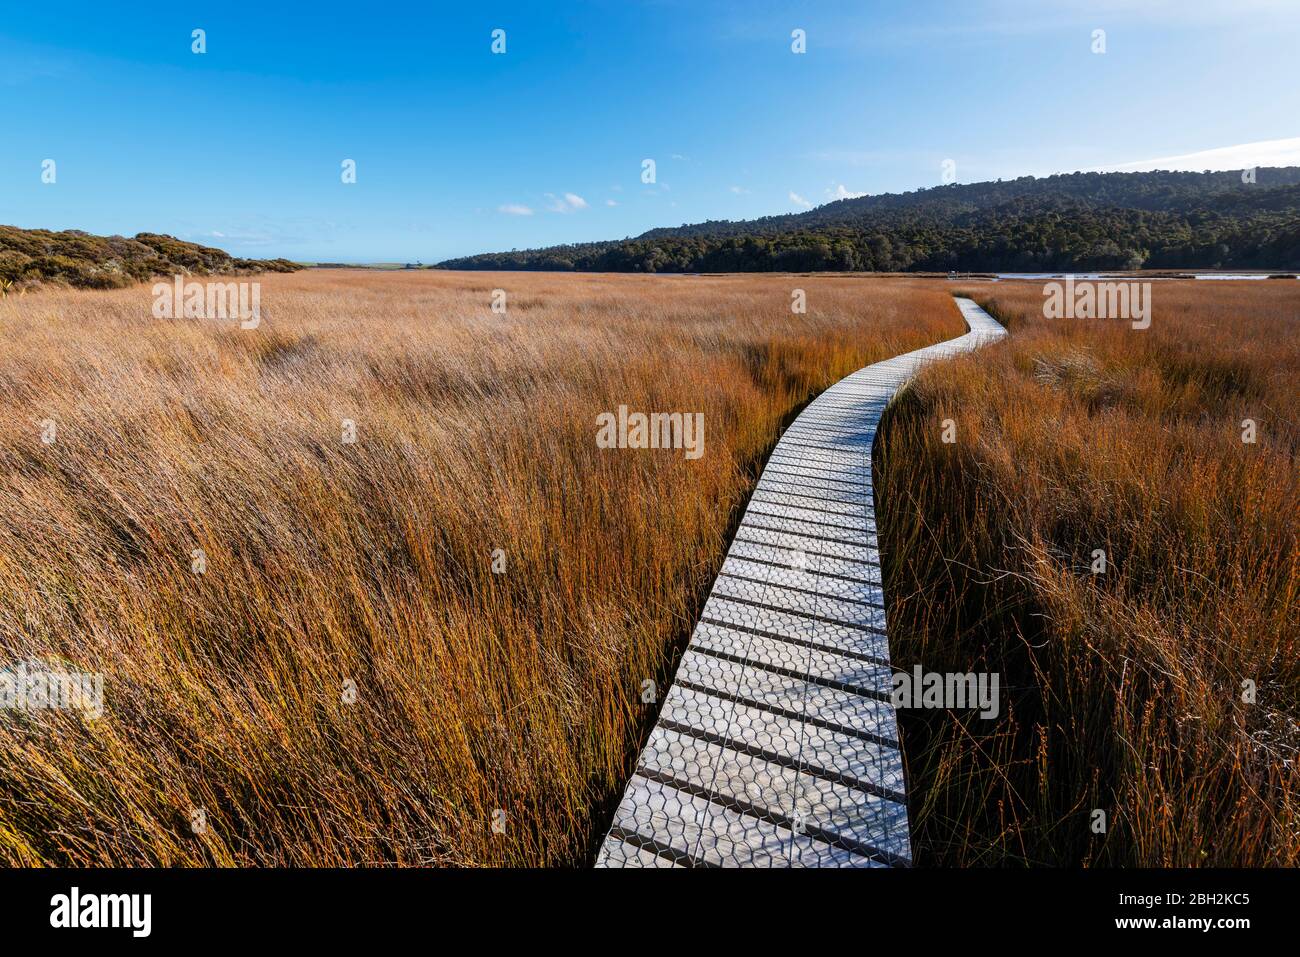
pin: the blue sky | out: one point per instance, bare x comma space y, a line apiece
459, 150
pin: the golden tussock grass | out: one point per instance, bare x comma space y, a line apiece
371, 562
1123, 691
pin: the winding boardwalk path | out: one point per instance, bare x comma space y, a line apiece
777, 745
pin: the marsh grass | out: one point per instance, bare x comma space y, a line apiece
1122, 691
371, 562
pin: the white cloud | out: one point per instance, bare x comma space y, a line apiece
515, 209
1242, 156
568, 203
739, 190
840, 192
610, 202
799, 200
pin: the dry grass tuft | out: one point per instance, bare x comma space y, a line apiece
1125, 688
371, 562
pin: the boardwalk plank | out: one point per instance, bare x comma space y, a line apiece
776, 745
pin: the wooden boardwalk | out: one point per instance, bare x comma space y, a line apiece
777, 745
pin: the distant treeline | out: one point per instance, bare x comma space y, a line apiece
1080, 221
76, 258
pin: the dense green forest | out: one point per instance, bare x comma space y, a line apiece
76, 258
1082, 221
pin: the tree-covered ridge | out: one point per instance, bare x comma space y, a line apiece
30, 256
1069, 221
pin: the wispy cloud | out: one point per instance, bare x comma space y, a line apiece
18, 68
841, 192
850, 157
994, 20
799, 200
261, 233
1284, 152
610, 202
515, 209
738, 190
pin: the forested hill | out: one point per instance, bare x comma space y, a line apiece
73, 257
1069, 221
